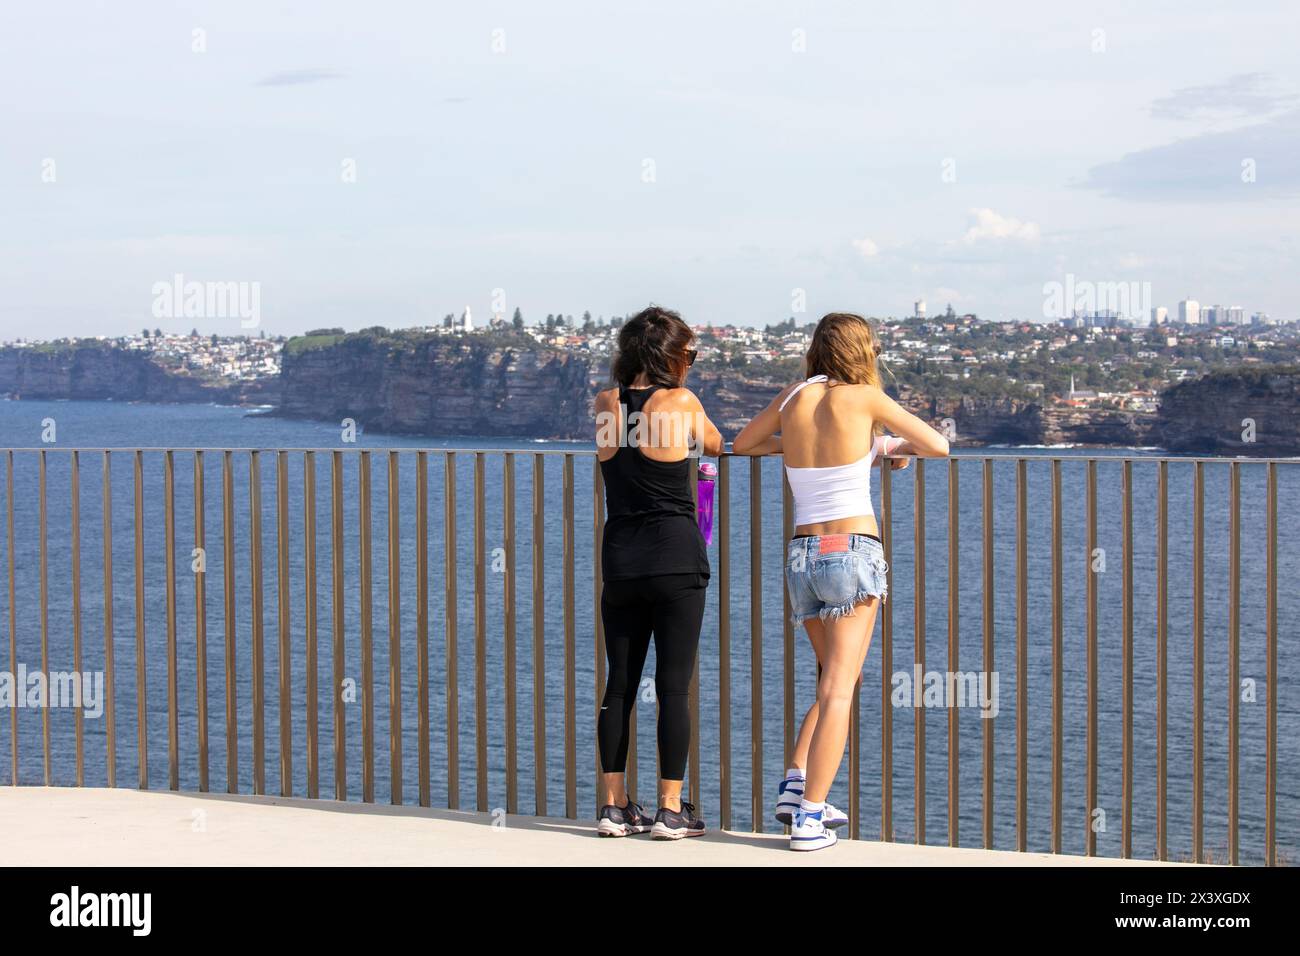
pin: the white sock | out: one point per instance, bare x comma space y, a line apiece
808, 806
794, 773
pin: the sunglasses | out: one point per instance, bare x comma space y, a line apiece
690, 356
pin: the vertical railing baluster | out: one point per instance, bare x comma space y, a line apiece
173, 702
1058, 630
887, 656
309, 621
1162, 659
394, 574
693, 691
449, 609
76, 610
990, 665
284, 651
954, 652
365, 568
630, 774
1090, 839
539, 634
228, 622
1198, 662
13, 628
723, 505
1234, 653
422, 620
45, 613
756, 642
508, 635
110, 682
339, 647
787, 636
1270, 627
201, 620
854, 828
480, 635
570, 655
141, 684
259, 655
918, 639
1022, 656
1126, 783
598, 526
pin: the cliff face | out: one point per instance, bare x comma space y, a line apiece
97, 372
490, 388
1213, 414
452, 388
439, 387
982, 421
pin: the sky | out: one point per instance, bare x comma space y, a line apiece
387, 163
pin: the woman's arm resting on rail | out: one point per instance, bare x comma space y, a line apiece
919, 439
760, 436
703, 431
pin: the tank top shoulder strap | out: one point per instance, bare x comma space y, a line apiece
799, 388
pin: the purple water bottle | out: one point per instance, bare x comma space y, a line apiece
704, 513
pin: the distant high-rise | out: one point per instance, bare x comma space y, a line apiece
918, 308
467, 320
1189, 312
1159, 315
1236, 315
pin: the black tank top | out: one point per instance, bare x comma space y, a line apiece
650, 527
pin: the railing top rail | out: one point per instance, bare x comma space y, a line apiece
1010, 454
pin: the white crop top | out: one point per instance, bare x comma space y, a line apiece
836, 491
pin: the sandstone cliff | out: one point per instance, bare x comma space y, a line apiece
1249, 411
499, 386
438, 387
98, 371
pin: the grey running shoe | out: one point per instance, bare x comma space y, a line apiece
622, 821
673, 825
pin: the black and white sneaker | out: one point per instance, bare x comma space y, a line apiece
622, 821
673, 825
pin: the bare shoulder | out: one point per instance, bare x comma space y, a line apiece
786, 392
677, 399
871, 396
607, 400
778, 403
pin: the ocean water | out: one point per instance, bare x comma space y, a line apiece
120, 426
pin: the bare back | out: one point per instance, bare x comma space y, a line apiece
824, 425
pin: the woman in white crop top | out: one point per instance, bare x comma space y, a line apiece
830, 430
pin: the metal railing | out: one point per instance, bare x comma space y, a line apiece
243, 629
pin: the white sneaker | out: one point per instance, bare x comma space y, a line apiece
788, 795
807, 832
833, 817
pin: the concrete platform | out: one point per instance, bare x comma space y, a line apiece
100, 827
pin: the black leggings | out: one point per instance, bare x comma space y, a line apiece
671, 606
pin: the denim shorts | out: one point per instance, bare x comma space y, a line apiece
828, 575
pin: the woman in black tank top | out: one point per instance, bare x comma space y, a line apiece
654, 565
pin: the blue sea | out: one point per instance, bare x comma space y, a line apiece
86, 425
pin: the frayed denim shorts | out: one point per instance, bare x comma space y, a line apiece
827, 576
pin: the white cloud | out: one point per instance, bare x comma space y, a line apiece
866, 248
990, 225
